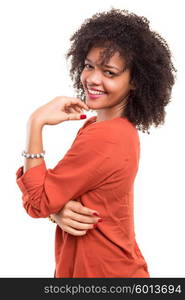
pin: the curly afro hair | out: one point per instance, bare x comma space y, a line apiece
146, 53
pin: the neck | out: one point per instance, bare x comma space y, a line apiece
111, 112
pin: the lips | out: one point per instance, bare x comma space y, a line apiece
95, 95
93, 89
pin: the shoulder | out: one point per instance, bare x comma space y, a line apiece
115, 130
125, 131
117, 136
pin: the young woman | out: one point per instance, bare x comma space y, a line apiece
123, 71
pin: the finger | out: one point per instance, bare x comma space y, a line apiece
73, 231
74, 116
76, 109
78, 102
77, 207
87, 211
70, 108
82, 218
78, 225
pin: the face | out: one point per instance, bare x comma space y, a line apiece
105, 86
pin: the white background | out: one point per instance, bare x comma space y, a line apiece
34, 39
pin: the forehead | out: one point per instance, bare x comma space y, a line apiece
95, 56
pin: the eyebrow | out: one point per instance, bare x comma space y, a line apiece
111, 67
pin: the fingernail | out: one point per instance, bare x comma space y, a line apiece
100, 220
83, 116
95, 214
95, 225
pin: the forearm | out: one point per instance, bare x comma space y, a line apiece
34, 143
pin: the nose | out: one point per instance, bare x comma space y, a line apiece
94, 77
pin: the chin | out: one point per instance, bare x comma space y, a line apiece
94, 107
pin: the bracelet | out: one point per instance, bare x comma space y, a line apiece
37, 155
50, 218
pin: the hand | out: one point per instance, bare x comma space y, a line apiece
75, 218
58, 110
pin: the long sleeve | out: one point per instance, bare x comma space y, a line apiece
86, 165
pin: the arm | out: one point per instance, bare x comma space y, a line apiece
34, 142
35, 179
76, 219
58, 110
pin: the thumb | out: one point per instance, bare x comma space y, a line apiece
75, 116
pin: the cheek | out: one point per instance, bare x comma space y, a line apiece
121, 86
115, 87
111, 86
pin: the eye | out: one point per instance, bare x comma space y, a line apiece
87, 66
110, 73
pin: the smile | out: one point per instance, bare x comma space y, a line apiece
93, 92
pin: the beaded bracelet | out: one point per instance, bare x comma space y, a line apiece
52, 220
29, 155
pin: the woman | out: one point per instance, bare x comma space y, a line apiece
123, 71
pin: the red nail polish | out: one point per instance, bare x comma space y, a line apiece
95, 214
83, 116
100, 220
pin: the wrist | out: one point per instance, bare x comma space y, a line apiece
35, 121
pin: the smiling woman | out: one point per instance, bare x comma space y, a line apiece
109, 89
126, 42
123, 71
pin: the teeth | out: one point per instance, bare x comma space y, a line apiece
95, 92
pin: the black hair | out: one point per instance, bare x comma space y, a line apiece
146, 53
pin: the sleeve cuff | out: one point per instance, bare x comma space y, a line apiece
34, 175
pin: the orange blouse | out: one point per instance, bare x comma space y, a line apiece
99, 171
